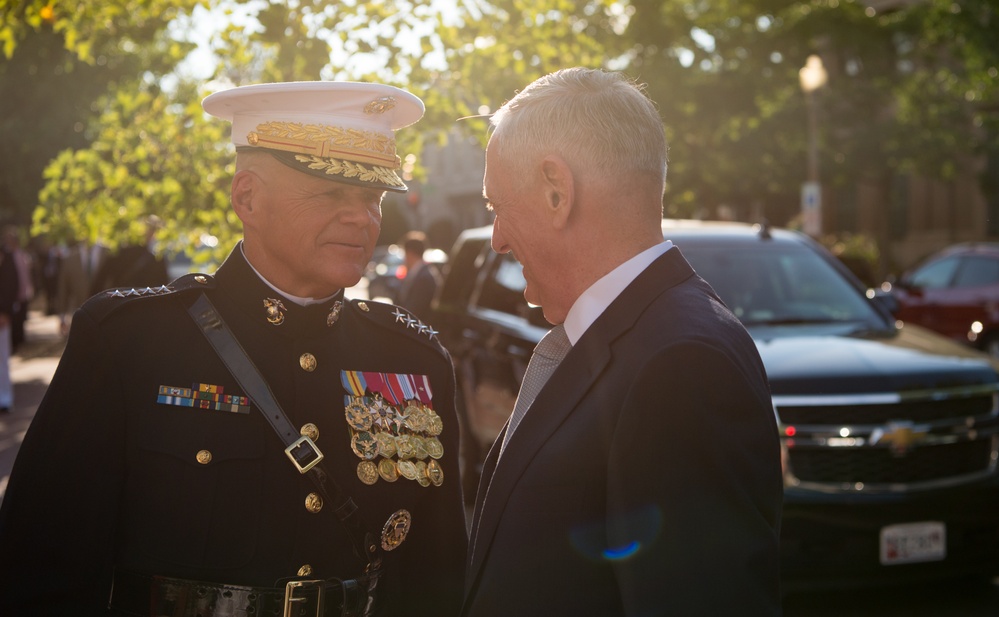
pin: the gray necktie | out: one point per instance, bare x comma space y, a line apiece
547, 355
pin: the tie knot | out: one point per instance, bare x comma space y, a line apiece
554, 345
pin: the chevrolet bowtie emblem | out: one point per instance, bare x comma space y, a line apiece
901, 437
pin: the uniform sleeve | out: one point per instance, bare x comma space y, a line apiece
58, 516
695, 489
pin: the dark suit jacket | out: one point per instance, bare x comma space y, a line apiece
645, 479
113, 471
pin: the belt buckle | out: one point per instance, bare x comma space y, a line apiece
304, 441
309, 585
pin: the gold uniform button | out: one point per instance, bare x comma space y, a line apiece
201, 279
313, 503
305, 570
310, 430
308, 362
363, 306
204, 457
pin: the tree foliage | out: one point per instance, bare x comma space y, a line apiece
911, 90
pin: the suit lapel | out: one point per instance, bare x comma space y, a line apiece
559, 398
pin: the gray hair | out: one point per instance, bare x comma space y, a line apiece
600, 122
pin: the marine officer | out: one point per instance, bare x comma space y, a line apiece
251, 442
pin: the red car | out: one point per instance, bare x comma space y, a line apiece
956, 293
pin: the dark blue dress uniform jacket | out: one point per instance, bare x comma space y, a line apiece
108, 477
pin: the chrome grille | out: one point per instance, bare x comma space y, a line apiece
889, 441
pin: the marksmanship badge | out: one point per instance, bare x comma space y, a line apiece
395, 530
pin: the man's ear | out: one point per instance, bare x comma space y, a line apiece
243, 192
557, 182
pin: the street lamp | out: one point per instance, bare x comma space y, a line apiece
812, 76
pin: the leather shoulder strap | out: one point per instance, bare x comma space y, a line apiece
300, 449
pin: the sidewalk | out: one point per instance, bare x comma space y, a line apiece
31, 370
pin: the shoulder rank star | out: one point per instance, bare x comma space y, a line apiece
147, 291
416, 324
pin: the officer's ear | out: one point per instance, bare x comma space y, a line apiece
244, 190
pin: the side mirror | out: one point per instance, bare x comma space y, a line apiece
882, 298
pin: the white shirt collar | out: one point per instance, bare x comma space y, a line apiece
595, 300
296, 299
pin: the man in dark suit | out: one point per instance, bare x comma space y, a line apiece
160, 477
422, 279
133, 265
645, 477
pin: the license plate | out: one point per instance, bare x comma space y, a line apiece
913, 542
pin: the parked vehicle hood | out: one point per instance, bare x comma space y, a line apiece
838, 359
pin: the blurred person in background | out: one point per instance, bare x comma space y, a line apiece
422, 279
25, 286
134, 265
77, 269
9, 292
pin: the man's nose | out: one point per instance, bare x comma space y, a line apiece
498, 242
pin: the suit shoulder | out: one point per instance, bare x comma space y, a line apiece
398, 320
104, 304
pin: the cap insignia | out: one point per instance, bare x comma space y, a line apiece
380, 105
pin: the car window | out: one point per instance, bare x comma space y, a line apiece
934, 275
977, 271
462, 269
503, 288
779, 284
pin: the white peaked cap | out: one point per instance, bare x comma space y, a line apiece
343, 131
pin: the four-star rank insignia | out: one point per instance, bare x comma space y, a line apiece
411, 322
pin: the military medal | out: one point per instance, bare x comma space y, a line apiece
367, 472
407, 469
434, 447
416, 418
435, 472
390, 416
421, 474
357, 414
435, 424
419, 447
364, 445
386, 444
387, 470
405, 447
395, 530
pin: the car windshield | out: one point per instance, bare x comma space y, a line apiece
776, 285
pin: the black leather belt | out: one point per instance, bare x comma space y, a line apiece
160, 596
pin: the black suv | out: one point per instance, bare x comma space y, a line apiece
890, 433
